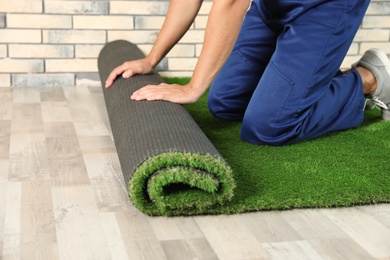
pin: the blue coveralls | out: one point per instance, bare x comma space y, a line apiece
283, 79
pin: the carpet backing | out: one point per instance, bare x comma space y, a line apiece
168, 163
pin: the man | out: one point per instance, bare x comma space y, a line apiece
277, 70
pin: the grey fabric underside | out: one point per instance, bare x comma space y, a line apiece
143, 129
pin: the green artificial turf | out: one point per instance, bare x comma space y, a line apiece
181, 184
346, 168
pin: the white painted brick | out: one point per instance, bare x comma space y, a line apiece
376, 22
145, 48
378, 8
182, 50
71, 65
201, 22
384, 46
5, 80
3, 50
149, 22
88, 83
163, 65
353, 49
103, 22
21, 65
43, 80
40, 51
179, 50
349, 60
88, 79
20, 6
133, 36
88, 51
206, 7
370, 35
76, 7
74, 36
38, 21
194, 36
182, 63
20, 36
2, 20
139, 7
172, 74
199, 48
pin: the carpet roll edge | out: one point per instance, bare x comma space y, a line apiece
209, 178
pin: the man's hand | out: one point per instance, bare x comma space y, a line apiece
128, 69
173, 93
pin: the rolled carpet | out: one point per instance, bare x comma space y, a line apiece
168, 163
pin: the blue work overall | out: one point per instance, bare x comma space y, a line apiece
282, 78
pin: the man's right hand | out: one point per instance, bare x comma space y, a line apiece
128, 69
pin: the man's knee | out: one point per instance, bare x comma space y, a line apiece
224, 109
268, 131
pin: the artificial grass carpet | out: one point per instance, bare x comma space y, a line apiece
168, 163
338, 169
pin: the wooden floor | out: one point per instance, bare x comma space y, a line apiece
62, 196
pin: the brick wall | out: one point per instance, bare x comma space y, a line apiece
56, 42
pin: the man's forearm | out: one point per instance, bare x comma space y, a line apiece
224, 24
179, 18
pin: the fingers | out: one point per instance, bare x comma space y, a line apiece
173, 93
122, 69
128, 69
149, 92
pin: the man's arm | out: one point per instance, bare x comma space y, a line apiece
178, 20
224, 23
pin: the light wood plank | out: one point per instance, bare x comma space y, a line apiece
28, 158
77, 94
87, 119
229, 238
26, 95
166, 229
5, 132
107, 182
55, 112
313, 226
291, 250
113, 236
196, 248
97, 144
380, 212
38, 234
79, 231
6, 103
368, 232
3, 198
85, 113
138, 236
97, 95
26, 119
67, 166
60, 130
49, 94
12, 227
270, 227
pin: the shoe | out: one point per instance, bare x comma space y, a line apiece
378, 63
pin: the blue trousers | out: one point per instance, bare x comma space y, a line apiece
282, 78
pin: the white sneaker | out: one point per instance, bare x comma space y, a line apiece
378, 63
